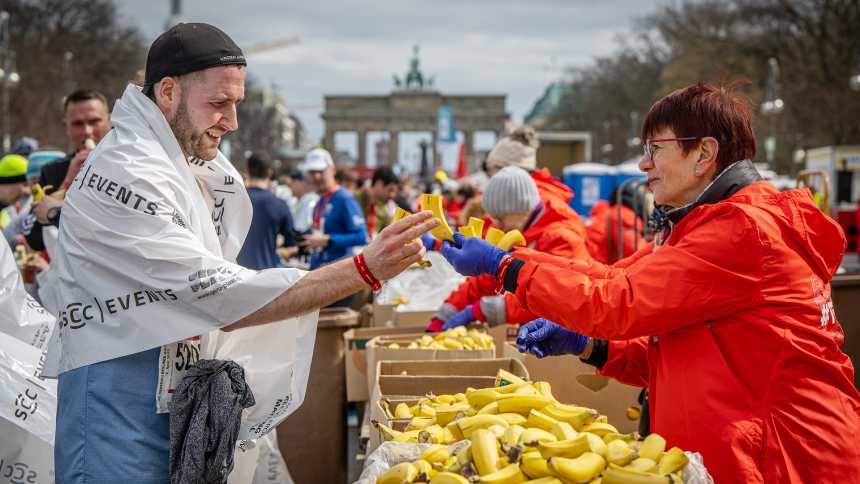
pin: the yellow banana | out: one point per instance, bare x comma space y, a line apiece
466, 231
497, 430
643, 464
595, 444
563, 430
447, 412
534, 465
434, 204
38, 192
511, 239
399, 213
619, 452
541, 421
482, 397
387, 432
621, 475
448, 478
436, 453
399, 474
494, 235
523, 404
454, 428
512, 435
673, 460
477, 226
581, 469
600, 429
452, 344
527, 390
402, 411
419, 423
564, 448
513, 418
510, 474
544, 480
609, 437
652, 447
577, 417
485, 455
504, 377
469, 425
423, 467
491, 408
633, 413
531, 437
544, 388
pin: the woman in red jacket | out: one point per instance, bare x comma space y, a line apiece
727, 319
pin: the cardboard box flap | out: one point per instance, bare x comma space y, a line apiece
489, 367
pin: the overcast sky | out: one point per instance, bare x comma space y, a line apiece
513, 47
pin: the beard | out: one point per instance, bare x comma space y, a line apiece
196, 144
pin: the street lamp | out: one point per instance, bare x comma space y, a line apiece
634, 142
855, 79
770, 107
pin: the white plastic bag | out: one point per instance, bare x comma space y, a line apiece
271, 468
26, 400
423, 289
24, 458
277, 361
20, 315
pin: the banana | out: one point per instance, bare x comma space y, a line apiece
399, 213
402, 411
423, 467
511, 239
621, 475
513, 388
673, 460
595, 444
420, 423
652, 447
466, 231
541, 421
491, 408
454, 428
504, 377
619, 452
387, 432
534, 465
600, 429
512, 435
485, 455
563, 430
494, 235
564, 448
633, 413
523, 404
482, 397
577, 417
581, 469
399, 474
436, 433
643, 464
452, 344
447, 437
513, 418
497, 430
447, 412
609, 437
436, 453
526, 390
448, 478
532, 437
509, 474
469, 425
544, 480
477, 226
434, 204
544, 388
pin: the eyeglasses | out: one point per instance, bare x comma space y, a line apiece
649, 148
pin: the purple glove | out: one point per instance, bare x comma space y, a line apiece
429, 241
472, 256
545, 338
462, 318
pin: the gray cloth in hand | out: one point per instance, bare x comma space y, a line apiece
205, 414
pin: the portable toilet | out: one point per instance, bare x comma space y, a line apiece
628, 170
590, 182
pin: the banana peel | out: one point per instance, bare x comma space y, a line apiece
399, 213
433, 203
511, 239
494, 235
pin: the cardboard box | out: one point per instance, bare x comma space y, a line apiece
408, 381
355, 362
575, 382
382, 314
377, 350
417, 319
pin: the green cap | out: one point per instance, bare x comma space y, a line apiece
13, 169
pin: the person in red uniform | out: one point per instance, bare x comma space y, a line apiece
512, 200
727, 319
602, 230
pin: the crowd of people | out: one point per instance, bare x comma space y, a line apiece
144, 201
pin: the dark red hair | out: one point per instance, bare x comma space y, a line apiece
704, 110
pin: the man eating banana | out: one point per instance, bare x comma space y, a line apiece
151, 228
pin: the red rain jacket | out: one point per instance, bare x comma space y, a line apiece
550, 188
602, 231
731, 327
558, 231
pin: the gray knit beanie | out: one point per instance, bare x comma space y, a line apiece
511, 190
517, 149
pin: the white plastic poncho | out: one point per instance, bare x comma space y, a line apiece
145, 260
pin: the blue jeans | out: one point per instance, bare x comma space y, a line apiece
107, 428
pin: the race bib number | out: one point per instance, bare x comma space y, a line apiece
174, 359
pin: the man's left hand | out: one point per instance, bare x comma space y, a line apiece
40, 210
316, 240
462, 318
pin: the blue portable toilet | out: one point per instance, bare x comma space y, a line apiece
627, 171
590, 182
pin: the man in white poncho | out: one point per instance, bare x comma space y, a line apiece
148, 241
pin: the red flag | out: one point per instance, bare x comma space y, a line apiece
462, 169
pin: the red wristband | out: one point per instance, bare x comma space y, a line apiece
437, 246
500, 273
365, 273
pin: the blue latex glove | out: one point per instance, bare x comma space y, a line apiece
462, 318
545, 338
429, 241
472, 256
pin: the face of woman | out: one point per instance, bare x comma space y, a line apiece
675, 178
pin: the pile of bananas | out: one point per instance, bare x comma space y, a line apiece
516, 431
458, 338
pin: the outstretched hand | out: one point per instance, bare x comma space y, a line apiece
472, 256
